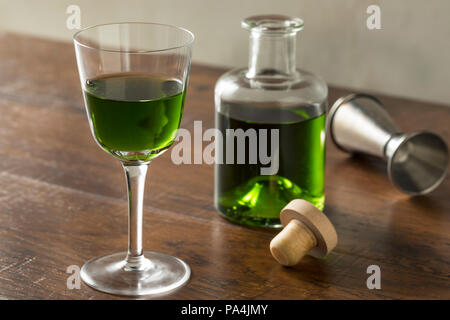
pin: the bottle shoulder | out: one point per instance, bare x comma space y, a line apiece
302, 87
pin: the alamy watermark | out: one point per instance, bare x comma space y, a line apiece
74, 20
74, 280
251, 144
374, 280
373, 22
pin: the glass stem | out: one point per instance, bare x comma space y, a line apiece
135, 175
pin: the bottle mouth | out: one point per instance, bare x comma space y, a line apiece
273, 23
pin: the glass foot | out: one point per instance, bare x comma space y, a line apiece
161, 275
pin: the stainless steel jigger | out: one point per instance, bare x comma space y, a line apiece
417, 161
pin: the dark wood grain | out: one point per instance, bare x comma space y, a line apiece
63, 201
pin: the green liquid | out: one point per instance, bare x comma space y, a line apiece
244, 196
134, 116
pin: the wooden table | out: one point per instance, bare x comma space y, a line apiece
63, 201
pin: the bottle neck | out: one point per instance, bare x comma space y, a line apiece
271, 54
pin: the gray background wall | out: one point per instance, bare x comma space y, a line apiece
409, 56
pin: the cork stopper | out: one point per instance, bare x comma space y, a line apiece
306, 230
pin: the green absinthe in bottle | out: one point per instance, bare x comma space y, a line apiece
134, 116
285, 104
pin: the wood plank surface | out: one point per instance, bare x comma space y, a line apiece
63, 201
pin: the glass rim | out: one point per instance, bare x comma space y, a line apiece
187, 44
273, 24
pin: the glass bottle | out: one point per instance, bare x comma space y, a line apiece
279, 154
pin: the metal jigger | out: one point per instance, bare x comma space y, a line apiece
417, 161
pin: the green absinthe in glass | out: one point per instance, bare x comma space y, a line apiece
134, 116
245, 196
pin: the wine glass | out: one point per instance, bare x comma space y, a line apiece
134, 78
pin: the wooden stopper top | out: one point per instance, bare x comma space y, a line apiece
306, 230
